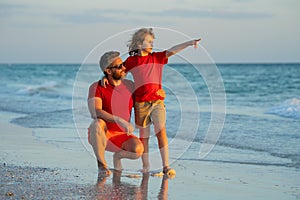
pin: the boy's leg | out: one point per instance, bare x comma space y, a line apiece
162, 140
158, 117
144, 137
143, 192
143, 121
163, 193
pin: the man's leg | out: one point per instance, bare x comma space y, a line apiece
131, 149
98, 142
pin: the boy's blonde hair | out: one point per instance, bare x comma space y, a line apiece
137, 39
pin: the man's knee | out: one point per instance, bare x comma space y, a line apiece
98, 126
97, 133
134, 145
101, 123
139, 149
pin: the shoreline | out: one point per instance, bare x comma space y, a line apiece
34, 169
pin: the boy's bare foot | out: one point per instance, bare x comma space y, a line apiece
169, 171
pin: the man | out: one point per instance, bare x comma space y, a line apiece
110, 108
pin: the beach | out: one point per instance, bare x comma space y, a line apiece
35, 170
45, 153
230, 78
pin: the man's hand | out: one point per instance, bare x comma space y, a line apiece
129, 128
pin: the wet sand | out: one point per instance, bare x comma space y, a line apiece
31, 169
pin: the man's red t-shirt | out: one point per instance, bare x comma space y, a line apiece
116, 100
147, 73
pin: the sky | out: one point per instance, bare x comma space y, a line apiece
232, 31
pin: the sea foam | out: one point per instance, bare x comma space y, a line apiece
31, 90
289, 108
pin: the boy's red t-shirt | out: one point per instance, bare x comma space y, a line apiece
147, 73
116, 100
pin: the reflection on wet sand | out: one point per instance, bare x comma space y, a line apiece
122, 190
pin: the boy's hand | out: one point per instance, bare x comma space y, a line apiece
195, 42
161, 93
104, 82
129, 128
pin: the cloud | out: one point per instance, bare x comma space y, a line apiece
7, 10
127, 16
100, 16
7, 6
86, 17
209, 13
117, 16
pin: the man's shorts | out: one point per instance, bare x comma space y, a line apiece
115, 140
150, 112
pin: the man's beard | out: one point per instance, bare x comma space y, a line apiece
117, 76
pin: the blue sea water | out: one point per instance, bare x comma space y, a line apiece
262, 120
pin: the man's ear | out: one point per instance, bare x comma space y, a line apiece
108, 71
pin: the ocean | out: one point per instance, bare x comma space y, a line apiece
259, 103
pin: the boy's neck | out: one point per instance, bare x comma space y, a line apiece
143, 53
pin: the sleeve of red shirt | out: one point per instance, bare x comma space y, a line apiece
131, 62
95, 91
128, 64
161, 57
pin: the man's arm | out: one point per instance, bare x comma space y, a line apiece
96, 111
177, 48
95, 108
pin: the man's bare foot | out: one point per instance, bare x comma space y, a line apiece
117, 161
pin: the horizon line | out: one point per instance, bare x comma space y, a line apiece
78, 63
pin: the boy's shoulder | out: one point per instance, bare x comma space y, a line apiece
159, 53
134, 60
128, 82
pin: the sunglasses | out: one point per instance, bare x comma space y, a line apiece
117, 66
